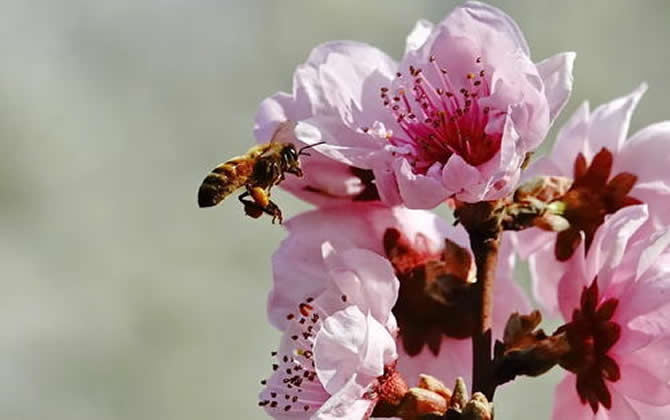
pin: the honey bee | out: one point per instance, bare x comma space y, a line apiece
260, 169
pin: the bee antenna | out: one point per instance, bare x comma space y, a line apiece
301, 152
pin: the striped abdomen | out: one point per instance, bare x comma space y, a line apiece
224, 180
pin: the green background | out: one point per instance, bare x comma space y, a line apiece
119, 298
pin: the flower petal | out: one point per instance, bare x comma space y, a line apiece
363, 278
556, 74
418, 36
297, 274
458, 175
656, 245
567, 404
345, 404
609, 122
574, 279
638, 382
611, 239
350, 344
545, 273
454, 360
650, 145
489, 18
418, 191
570, 140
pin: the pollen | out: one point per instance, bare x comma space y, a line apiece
294, 370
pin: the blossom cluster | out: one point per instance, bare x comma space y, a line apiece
371, 289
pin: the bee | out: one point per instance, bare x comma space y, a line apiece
260, 169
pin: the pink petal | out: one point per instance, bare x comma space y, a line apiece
357, 60
317, 129
508, 295
488, 21
570, 140
387, 185
418, 191
545, 273
611, 239
621, 407
325, 182
640, 383
567, 404
308, 97
656, 194
651, 412
458, 175
530, 241
556, 74
572, 282
609, 122
650, 145
277, 109
454, 360
650, 319
296, 276
350, 344
365, 278
542, 167
345, 404
655, 246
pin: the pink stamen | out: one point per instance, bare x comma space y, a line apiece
446, 120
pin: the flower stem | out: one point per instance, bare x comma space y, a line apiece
483, 223
485, 250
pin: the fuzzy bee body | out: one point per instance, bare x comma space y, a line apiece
230, 176
258, 170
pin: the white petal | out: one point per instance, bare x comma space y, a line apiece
556, 73
609, 122
419, 35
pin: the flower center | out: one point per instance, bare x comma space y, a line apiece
388, 392
443, 120
591, 335
435, 297
590, 199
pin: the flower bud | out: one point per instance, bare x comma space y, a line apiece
420, 402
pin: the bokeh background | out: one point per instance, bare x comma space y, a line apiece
119, 298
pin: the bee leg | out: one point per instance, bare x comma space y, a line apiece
274, 210
261, 198
251, 209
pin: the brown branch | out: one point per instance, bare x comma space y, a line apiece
482, 221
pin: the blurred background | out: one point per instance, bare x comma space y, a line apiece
120, 298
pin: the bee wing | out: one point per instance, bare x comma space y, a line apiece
284, 133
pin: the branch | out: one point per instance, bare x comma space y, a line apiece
482, 222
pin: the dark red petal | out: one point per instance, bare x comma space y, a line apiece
620, 185
599, 171
610, 369
580, 166
567, 242
607, 333
603, 394
589, 299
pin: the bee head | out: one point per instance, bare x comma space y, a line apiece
290, 157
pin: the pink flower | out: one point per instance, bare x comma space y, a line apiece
610, 172
464, 108
318, 93
615, 302
430, 258
337, 352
